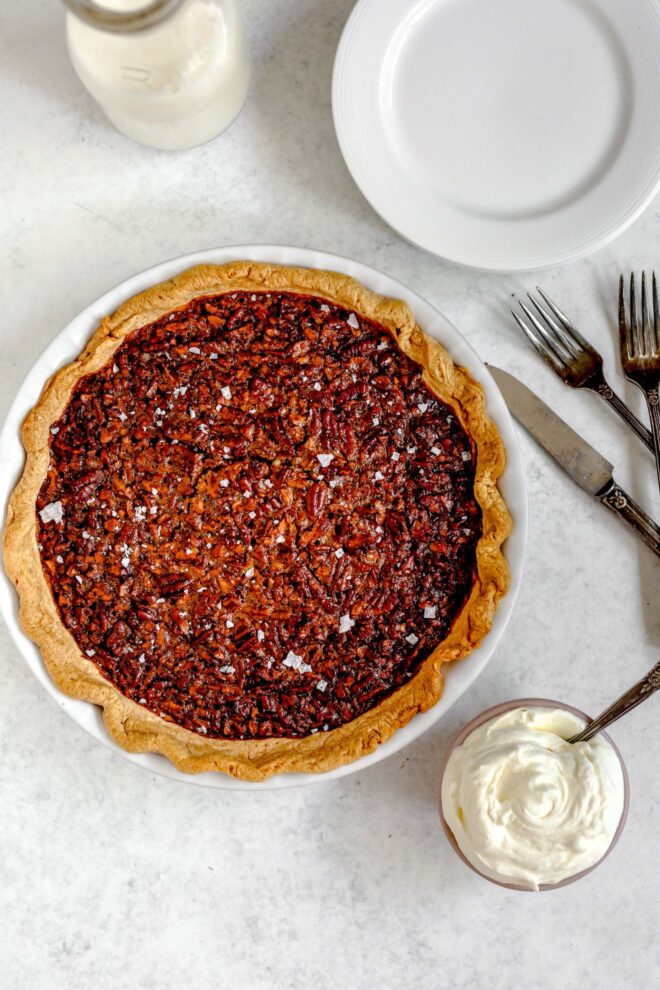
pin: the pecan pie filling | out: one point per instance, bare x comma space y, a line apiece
258, 521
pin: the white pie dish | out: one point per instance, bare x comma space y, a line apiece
70, 342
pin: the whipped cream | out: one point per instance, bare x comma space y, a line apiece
525, 807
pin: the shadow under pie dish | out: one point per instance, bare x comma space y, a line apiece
257, 516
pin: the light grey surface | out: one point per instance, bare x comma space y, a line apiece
111, 878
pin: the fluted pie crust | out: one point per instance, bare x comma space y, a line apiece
132, 726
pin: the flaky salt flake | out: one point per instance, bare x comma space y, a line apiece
227, 669
339, 553
280, 539
335, 481
115, 368
153, 510
261, 635
252, 514
125, 561
122, 416
59, 559
78, 579
224, 482
321, 686
317, 386
268, 483
192, 413
395, 455
325, 459
90, 653
422, 406
382, 345
226, 392
86, 535
194, 350
466, 455
143, 701
54, 430
250, 572
53, 512
213, 356
430, 612
180, 390
353, 321
435, 451
346, 623
296, 663
376, 421
378, 476
142, 658
140, 512
412, 639
325, 308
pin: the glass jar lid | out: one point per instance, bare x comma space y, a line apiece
139, 18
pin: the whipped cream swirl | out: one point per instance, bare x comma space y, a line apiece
526, 807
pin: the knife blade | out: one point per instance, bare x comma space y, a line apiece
589, 469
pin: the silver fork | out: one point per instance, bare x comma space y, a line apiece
573, 358
640, 352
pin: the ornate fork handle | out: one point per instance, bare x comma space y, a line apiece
617, 404
653, 405
635, 696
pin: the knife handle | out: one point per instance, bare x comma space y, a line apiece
626, 508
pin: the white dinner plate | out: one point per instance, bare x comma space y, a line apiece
502, 135
68, 344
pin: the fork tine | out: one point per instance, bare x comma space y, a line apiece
558, 349
568, 343
633, 339
548, 356
645, 331
569, 327
655, 340
625, 340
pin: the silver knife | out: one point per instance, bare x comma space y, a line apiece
580, 461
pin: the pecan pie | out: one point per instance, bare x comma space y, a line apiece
258, 515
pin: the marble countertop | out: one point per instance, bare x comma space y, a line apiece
110, 877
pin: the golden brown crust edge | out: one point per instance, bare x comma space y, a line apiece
137, 730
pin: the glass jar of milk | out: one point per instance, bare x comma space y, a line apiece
168, 73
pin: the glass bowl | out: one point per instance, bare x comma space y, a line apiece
486, 716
